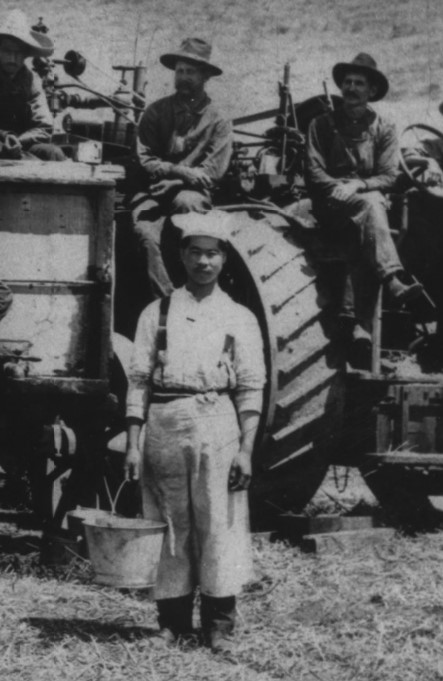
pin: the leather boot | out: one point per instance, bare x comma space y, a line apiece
401, 293
175, 617
218, 621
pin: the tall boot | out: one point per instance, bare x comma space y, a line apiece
175, 616
218, 621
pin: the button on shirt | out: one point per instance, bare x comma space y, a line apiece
195, 359
173, 132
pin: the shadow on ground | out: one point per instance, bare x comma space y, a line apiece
53, 630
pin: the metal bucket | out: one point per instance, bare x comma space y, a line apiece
80, 514
125, 552
76, 519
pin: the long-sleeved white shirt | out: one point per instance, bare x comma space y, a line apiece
194, 358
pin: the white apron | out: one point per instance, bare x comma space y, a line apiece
189, 447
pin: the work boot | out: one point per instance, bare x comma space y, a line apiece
218, 620
175, 617
359, 356
401, 293
361, 336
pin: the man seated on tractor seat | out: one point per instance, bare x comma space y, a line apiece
352, 159
25, 120
184, 146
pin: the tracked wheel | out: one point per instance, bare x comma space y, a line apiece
271, 274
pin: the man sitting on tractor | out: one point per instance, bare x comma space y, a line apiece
184, 146
25, 120
352, 159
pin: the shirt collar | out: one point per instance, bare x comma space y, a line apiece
197, 106
367, 119
187, 295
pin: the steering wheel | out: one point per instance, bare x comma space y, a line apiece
422, 170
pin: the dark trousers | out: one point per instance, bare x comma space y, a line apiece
360, 223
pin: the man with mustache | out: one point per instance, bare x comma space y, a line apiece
25, 120
352, 159
197, 373
183, 147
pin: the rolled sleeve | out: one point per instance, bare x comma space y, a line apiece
142, 362
249, 366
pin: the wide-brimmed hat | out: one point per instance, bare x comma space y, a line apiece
16, 26
363, 63
194, 50
214, 224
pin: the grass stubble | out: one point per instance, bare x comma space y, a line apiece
372, 615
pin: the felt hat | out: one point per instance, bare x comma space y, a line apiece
194, 50
16, 26
363, 63
213, 224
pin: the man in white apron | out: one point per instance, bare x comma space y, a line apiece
198, 373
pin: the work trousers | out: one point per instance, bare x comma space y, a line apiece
361, 225
160, 251
189, 447
44, 151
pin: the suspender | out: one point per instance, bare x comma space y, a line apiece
162, 338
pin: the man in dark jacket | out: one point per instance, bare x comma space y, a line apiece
25, 120
184, 147
351, 162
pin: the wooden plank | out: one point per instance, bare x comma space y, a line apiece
52, 385
104, 269
407, 458
298, 525
53, 172
348, 541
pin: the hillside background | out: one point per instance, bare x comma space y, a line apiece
253, 39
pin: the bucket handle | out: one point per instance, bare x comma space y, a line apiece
113, 501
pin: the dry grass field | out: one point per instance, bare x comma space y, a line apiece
373, 616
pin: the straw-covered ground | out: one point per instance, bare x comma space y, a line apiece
372, 616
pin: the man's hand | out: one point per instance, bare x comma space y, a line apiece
345, 190
192, 177
12, 146
160, 189
240, 472
132, 463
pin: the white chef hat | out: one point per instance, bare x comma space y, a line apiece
213, 224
